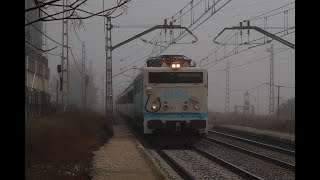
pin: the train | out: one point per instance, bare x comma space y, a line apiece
169, 95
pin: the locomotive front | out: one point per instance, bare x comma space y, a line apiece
175, 98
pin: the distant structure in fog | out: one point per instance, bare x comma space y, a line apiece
32, 32
246, 108
36, 65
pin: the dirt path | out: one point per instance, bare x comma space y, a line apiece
121, 158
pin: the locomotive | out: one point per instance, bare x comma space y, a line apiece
169, 95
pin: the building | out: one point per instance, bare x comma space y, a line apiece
36, 65
247, 108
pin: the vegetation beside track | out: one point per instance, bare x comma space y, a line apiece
61, 145
284, 124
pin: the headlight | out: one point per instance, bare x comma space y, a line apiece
185, 107
175, 65
154, 106
165, 107
197, 106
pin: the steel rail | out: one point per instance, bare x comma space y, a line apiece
277, 162
244, 173
267, 146
183, 173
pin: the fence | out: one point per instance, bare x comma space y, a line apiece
37, 103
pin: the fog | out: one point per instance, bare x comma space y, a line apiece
153, 12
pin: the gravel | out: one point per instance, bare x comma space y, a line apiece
199, 166
254, 165
171, 173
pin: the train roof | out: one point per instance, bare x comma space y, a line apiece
128, 89
169, 69
168, 59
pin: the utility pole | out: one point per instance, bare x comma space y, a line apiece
258, 100
271, 91
102, 93
83, 75
103, 90
227, 92
57, 91
86, 81
246, 104
278, 100
109, 48
64, 76
109, 95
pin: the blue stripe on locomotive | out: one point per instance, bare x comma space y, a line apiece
138, 105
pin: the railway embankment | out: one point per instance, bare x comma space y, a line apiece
60, 146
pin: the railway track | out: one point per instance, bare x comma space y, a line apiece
213, 159
244, 173
253, 159
278, 156
182, 172
264, 145
285, 144
191, 163
257, 167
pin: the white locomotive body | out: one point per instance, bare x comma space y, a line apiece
173, 98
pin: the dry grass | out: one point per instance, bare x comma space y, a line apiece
284, 124
60, 146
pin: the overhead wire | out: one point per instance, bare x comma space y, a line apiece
221, 44
74, 60
274, 14
40, 48
143, 56
76, 32
217, 61
43, 33
254, 60
270, 11
193, 29
249, 88
225, 43
178, 38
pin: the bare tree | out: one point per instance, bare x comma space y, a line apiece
74, 10
288, 108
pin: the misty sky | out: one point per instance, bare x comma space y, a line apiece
148, 13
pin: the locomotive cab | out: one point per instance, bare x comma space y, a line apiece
169, 95
175, 96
